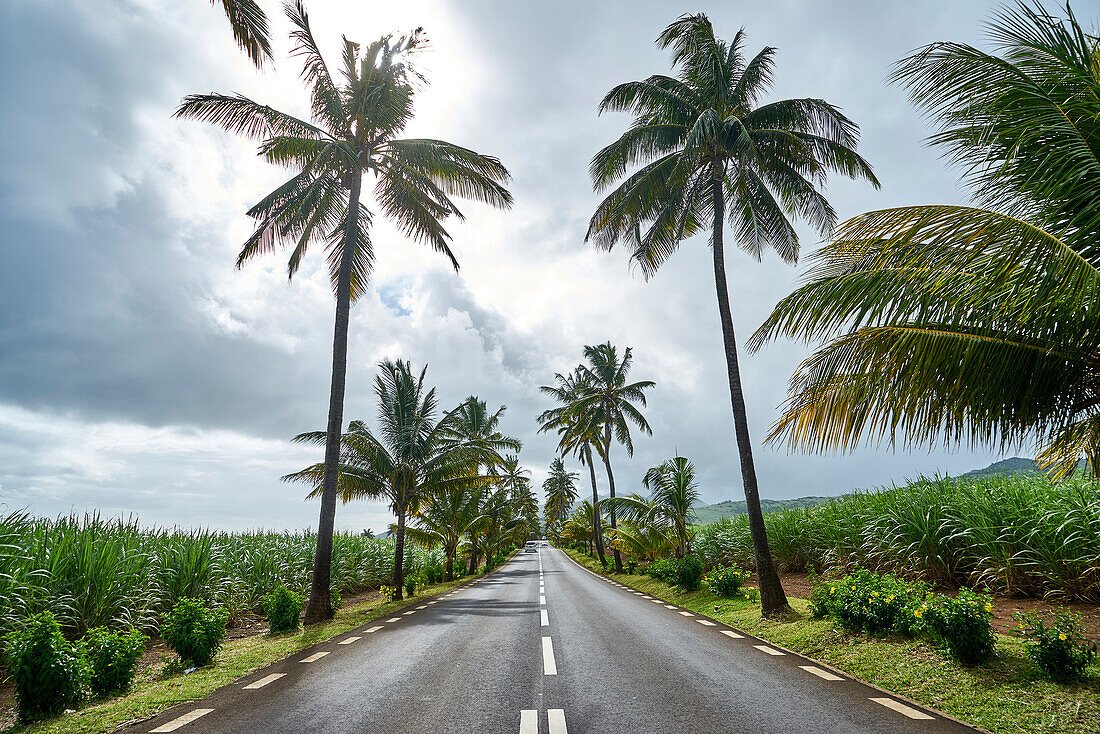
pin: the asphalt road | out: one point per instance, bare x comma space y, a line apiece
583, 654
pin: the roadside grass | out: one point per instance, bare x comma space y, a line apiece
1005, 696
158, 691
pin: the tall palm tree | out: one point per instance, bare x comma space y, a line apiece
516, 480
952, 323
608, 402
577, 434
560, 487
353, 137
249, 24
673, 492
708, 151
411, 459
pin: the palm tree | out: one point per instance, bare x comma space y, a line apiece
249, 24
412, 458
576, 434
444, 519
473, 422
561, 494
580, 527
646, 541
977, 323
708, 151
608, 402
673, 492
353, 136
516, 480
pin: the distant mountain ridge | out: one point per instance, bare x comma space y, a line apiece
1005, 466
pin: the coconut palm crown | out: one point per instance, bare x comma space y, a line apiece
977, 324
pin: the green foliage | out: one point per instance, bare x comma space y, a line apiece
49, 672
664, 569
1058, 648
334, 599
689, 573
725, 581
411, 582
1017, 534
388, 592
113, 658
631, 565
868, 602
283, 608
194, 631
963, 625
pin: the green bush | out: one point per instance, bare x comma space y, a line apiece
283, 607
725, 582
49, 672
389, 592
963, 625
689, 573
194, 632
663, 570
1058, 649
113, 657
334, 599
410, 585
433, 571
869, 602
631, 565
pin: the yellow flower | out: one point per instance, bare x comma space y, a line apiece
832, 590
917, 614
1061, 635
988, 607
1022, 625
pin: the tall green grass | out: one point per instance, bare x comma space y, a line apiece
1013, 534
93, 572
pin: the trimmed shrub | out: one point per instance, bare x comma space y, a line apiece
194, 632
725, 582
1058, 649
689, 573
963, 626
868, 602
113, 657
433, 572
283, 607
49, 672
663, 570
410, 585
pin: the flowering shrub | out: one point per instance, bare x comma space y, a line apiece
725, 581
389, 592
1059, 649
962, 625
869, 602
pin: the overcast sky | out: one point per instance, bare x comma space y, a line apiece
140, 372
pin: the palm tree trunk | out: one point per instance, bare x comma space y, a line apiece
399, 556
611, 486
473, 555
772, 599
319, 607
450, 573
597, 526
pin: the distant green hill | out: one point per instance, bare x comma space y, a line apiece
711, 513
1005, 466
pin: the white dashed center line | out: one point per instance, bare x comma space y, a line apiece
901, 708
353, 639
264, 681
177, 723
734, 635
769, 650
314, 657
542, 600
557, 721
549, 667
545, 619
820, 673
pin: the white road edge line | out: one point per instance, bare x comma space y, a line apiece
556, 719
263, 681
901, 708
314, 657
734, 635
393, 619
769, 650
549, 667
820, 673
528, 721
687, 614
350, 640
670, 606
545, 619
705, 622
177, 723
